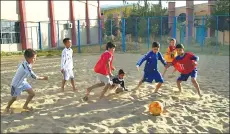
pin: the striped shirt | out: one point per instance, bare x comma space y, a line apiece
67, 59
24, 71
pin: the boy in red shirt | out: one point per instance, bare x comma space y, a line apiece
186, 63
104, 68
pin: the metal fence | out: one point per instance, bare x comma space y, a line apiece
134, 34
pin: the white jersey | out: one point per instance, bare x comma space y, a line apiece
24, 71
67, 59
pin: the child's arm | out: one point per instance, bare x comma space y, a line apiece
162, 59
194, 57
142, 59
108, 67
63, 60
34, 76
123, 84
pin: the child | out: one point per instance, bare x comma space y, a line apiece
19, 82
118, 82
170, 54
67, 64
104, 68
151, 71
186, 63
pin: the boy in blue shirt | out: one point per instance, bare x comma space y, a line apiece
151, 71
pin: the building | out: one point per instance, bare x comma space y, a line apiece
43, 24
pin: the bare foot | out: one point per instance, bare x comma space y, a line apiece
28, 108
62, 89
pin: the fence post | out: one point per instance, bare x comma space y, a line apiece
203, 33
123, 34
161, 32
174, 27
79, 36
40, 35
148, 32
111, 28
100, 34
136, 35
217, 23
58, 38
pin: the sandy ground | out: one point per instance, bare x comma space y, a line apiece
126, 112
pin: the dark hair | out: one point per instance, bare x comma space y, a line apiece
121, 71
29, 53
180, 46
172, 39
155, 44
110, 45
65, 40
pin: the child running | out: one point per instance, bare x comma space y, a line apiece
170, 55
19, 82
118, 82
103, 68
186, 63
67, 64
151, 71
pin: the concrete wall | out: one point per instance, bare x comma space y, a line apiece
39, 11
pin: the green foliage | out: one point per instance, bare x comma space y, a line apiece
221, 8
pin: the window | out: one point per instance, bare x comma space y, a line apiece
10, 32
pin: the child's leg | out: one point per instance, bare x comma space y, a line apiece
63, 85
10, 103
179, 85
73, 84
104, 90
29, 98
196, 85
157, 87
163, 74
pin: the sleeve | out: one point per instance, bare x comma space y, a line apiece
194, 57
143, 59
123, 84
32, 74
162, 59
63, 59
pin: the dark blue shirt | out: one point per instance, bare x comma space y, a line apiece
151, 59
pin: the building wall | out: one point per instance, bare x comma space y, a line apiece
38, 11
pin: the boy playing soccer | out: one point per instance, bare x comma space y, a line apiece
103, 68
67, 64
170, 54
186, 63
151, 71
19, 82
118, 82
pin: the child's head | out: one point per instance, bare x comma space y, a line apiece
110, 47
155, 47
67, 42
30, 55
172, 42
121, 74
180, 49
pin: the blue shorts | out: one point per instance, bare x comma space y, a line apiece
16, 91
184, 77
150, 76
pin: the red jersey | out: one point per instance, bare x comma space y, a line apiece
101, 66
184, 64
172, 48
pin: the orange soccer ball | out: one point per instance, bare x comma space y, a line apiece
156, 108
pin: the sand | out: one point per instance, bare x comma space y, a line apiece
126, 112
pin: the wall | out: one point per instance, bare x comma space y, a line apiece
10, 11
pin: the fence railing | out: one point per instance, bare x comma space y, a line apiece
132, 34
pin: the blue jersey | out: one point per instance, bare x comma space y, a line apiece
151, 59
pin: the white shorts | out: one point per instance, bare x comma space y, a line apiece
16, 91
105, 79
68, 74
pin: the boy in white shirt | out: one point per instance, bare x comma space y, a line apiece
67, 64
19, 82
